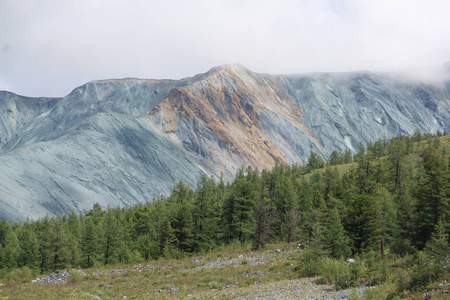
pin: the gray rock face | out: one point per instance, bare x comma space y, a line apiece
120, 142
344, 109
16, 112
110, 158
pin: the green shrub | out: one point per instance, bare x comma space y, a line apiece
75, 276
308, 264
213, 285
401, 278
335, 271
20, 275
356, 271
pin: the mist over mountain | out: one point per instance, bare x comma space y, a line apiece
120, 142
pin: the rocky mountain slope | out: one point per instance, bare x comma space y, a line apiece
119, 142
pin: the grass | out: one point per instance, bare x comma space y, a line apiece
226, 275
192, 277
180, 276
411, 159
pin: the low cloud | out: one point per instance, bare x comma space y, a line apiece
48, 47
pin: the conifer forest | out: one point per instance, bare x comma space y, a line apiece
390, 199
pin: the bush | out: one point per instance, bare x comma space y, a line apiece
336, 272
401, 278
75, 276
355, 272
308, 266
381, 274
20, 275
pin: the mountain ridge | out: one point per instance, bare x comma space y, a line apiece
211, 123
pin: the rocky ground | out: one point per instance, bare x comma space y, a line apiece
303, 288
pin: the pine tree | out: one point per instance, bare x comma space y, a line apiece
167, 241
110, 238
330, 177
315, 161
29, 246
335, 158
263, 221
183, 228
335, 241
362, 223
432, 195
387, 216
238, 209
9, 248
438, 248
396, 165
285, 202
89, 243
205, 214
58, 245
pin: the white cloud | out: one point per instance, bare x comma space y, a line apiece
57, 45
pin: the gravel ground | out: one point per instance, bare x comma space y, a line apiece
251, 260
303, 288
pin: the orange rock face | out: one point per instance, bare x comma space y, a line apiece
224, 110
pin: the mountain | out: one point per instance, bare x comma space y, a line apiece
120, 142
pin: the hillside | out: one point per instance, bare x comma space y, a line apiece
377, 226
122, 142
229, 274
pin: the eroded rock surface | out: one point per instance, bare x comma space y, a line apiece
120, 142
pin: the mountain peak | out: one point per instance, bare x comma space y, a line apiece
237, 67
127, 141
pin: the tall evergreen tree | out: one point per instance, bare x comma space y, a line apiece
315, 161
335, 241
58, 245
205, 214
9, 248
167, 241
264, 218
238, 214
89, 243
110, 239
29, 246
362, 223
183, 228
432, 195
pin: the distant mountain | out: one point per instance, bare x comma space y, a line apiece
120, 142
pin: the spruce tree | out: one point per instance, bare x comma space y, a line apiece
167, 240
205, 214
183, 228
10, 248
89, 243
438, 248
238, 214
29, 246
362, 223
335, 241
58, 245
264, 218
432, 195
110, 241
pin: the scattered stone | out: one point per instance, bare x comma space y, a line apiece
63, 277
168, 291
196, 261
230, 286
254, 274
54, 278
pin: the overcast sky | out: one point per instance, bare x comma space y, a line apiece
49, 47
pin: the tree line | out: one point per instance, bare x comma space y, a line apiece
394, 197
